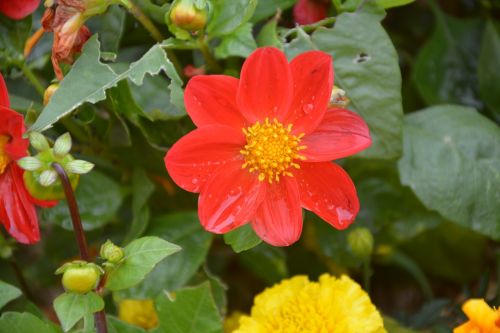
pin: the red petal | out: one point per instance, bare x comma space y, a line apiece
309, 11
229, 198
198, 154
18, 9
312, 87
341, 133
265, 88
12, 124
211, 99
17, 213
278, 220
327, 190
4, 93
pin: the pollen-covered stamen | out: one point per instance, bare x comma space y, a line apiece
4, 158
271, 149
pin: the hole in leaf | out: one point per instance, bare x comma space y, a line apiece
362, 57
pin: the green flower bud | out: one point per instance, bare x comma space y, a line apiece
38, 141
189, 15
29, 163
49, 187
47, 178
79, 167
111, 252
80, 276
360, 241
62, 146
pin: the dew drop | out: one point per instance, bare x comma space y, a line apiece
307, 108
195, 181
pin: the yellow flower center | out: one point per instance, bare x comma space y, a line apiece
4, 158
271, 149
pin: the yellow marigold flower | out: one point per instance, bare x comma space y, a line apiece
141, 313
232, 322
482, 318
296, 305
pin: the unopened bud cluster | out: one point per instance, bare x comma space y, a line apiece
40, 178
112, 253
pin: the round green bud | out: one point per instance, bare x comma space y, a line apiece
185, 15
80, 276
111, 252
360, 241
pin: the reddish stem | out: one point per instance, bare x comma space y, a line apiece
99, 317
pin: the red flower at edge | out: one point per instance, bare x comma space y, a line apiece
264, 145
18, 9
310, 11
17, 210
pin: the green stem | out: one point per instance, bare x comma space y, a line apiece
33, 79
310, 27
212, 64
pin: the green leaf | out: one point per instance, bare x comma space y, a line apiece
366, 67
71, 307
240, 43
142, 190
445, 69
115, 325
268, 35
450, 160
13, 35
111, 29
488, 73
267, 262
191, 310
229, 15
158, 103
8, 293
89, 79
15, 322
392, 3
141, 256
266, 8
174, 272
242, 238
99, 198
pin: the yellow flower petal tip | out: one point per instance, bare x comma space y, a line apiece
297, 305
140, 313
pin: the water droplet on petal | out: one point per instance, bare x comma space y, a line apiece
307, 108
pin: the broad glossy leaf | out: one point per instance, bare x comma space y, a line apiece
445, 69
183, 229
366, 67
392, 3
488, 73
8, 293
89, 79
228, 15
189, 310
111, 26
71, 307
451, 161
143, 187
268, 35
266, 8
240, 43
141, 256
267, 262
242, 238
15, 322
99, 198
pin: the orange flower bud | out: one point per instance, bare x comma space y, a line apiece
186, 15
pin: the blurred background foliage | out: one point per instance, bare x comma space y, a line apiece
425, 79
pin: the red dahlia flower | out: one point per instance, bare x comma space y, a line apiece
264, 145
18, 9
17, 210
